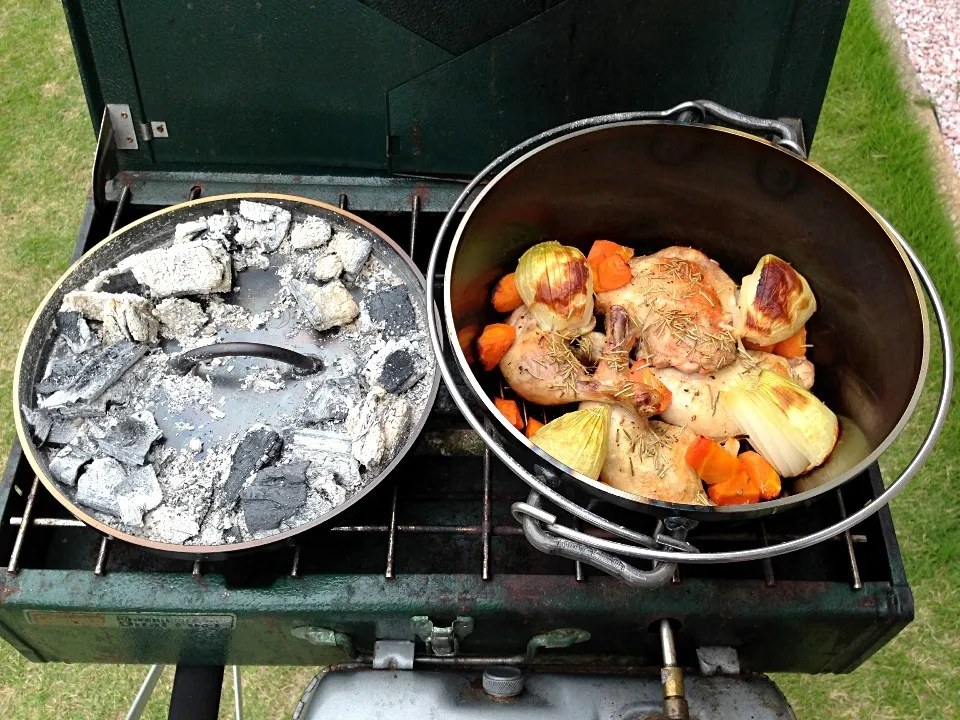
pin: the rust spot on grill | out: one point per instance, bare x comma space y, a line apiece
777, 289
421, 191
6, 592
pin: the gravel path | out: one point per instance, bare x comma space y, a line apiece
931, 30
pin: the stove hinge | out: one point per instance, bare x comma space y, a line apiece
154, 130
441, 641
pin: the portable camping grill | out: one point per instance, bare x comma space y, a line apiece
383, 107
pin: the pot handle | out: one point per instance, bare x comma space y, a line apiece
186, 361
784, 135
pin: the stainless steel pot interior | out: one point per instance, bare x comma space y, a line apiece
155, 230
735, 197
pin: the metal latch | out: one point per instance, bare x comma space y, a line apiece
442, 641
154, 130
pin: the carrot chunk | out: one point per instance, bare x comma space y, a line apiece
759, 348
738, 490
506, 297
532, 426
712, 463
466, 337
511, 411
602, 249
642, 374
611, 273
493, 344
794, 346
761, 473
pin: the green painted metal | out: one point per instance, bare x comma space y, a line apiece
53, 618
430, 86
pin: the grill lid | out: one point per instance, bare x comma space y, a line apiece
373, 87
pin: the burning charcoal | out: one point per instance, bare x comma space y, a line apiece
392, 312
102, 369
221, 227
180, 318
97, 486
40, 423
262, 225
353, 251
400, 372
119, 282
311, 232
325, 306
62, 432
328, 268
130, 441
62, 367
124, 316
259, 447
191, 230
377, 425
167, 525
75, 331
333, 400
137, 494
197, 267
67, 463
315, 441
274, 495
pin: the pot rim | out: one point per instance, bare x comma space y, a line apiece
625, 499
30, 450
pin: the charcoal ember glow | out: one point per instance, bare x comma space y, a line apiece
333, 400
392, 312
273, 495
102, 369
377, 426
311, 232
130, 440
197, 267
325, 306
125, 316
259, 447
352, 250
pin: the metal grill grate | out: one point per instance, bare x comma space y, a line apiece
485, 530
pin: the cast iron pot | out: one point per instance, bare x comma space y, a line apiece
650, 184
253, 290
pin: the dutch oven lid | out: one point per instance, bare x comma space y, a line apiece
374, 87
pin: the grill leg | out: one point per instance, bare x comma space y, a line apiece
196, 692
237, 694
146, 692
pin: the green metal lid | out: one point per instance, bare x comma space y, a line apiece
434, 87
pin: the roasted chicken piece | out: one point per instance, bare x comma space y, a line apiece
646, 458
542, 368
685, 307
696, 398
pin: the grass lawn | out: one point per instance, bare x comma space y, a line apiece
867, 137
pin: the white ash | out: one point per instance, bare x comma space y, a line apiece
328, 268
352, 250
380, 351
195, 445
325, 306
196, 267
263, 380
106, 485
262, 226
179, 318
377, 427
215, 413
170, 525
250, 258
125, 316
186, 231
226, 316
311, 232
221, 227
186, 390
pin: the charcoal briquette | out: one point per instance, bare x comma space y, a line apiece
392, 310
399, 372
274, 495
259, 447
130, 441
